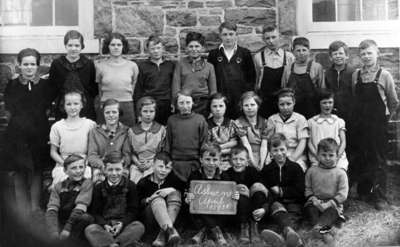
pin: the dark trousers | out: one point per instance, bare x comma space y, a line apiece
163, 111
286, 214
326, 218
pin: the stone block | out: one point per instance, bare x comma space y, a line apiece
168, 4
211, 34
139, 21
251, 42
171, 44
134, 46
210, 20
181, 18
216, 11
244, 30
219, 4
169, 31
251, 17
102, 17
287, 16
195, 4
255, 3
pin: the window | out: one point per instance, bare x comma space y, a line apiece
41, 24
350, 21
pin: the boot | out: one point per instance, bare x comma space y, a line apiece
292, 238
198, 238
160, 240
244, 233
272, 238
255, 235
173, 236
219, 236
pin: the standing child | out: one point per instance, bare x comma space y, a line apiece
326, 189
70, 135
27, 98
160, 198
146, 139
304, 77
292, 124
326, 125
375, 102
186, 133
69, 201
195, 74
285, 180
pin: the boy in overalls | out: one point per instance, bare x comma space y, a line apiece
304, 77
270, 63
375, 102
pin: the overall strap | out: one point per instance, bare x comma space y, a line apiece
359, 76
284, 58
292, 68
378, 74
263, 58
309, 66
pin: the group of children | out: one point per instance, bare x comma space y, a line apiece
282, 144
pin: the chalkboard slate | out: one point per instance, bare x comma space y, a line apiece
212, 197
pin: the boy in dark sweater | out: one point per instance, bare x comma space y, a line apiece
69, 200
160, 198
285, 181
115, 207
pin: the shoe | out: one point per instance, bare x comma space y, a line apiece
292, 238
272, 239
160, 239
325, 230
255, 235
219, 236
173, 236
244, 233
198, 238
381, 204
328, 239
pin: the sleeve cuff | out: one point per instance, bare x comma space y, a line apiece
81, 206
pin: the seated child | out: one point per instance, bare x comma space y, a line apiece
160, 198
186, 133
252, 193
114, 207
145, 138
292, 124
210, 159
327, 125
285, 181
69, 200
326, 189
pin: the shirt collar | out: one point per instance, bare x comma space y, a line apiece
154, 128
289, 120
246, 123
278, 52
221, 46
330, 120
25, 81
373, 69
211, 122
112, 184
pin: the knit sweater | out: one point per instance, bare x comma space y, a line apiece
248, 176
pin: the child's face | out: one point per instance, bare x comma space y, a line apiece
250, 107
210, 162
114, 172
271, 39
339, 56
73, 48
301, 53
369, 56
239, 161
279, 153
218, 108
286, 105
28, 66
184, 104
148, 113
161, 170
156, 50
111, 114
328, 158
73, 104
115, 47
228, 37
194, 49
75, 170
326, 106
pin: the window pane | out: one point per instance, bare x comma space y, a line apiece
324, 10
15, 12
374, 10
348, 10
42, 13
66, 12
393, 9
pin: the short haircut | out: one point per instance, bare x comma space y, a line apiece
73, 34
112, 102
195, 36
218, 96
367, 43
227, 25
336, 45
185, 92
72, 91
325, 94
155, 39
327, 145
28, 52
238, 149
301, 41
146, 100
110, 37
212, 148
276, 140
269, 28
71, 159
249, 95
113, 158
163, 156
285, 92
